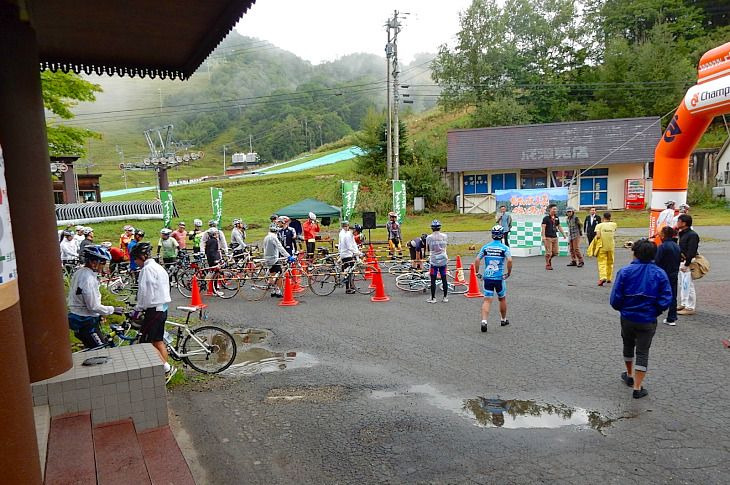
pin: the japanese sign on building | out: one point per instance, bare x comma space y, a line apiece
557, 153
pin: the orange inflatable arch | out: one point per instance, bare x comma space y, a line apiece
705, 100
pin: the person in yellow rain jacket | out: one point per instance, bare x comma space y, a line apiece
605, 233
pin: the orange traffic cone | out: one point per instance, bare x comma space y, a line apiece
298, 288
459, 277
375, 269
371, 251
379, 287
288, 293
368, 267
195, 300
473, 285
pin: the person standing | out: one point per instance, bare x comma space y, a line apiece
606, 234
273, 250
589, 225
287, 235
79, 236
124, 239
348, 251
641, 293
668, 259
169, 246
436, 243
504, 220
549, 234
238, 235
575, 232
394, 235
689, 242
220, 239
665, 218
180, 235
683, 209
196, 235
496, 257
87, 241
138, 236
310, 229
69, 249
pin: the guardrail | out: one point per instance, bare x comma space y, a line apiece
95, 212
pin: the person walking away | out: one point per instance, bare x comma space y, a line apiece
689, 242
310, 229
496, 256
169, 247
287, 235
641, 293
549, 234
273, 250
153, 299
606, 234
504, 220
575, 233
88, 241
196, 235
394, 235
668, 259
416, 249
665, 218
181, 235
69, 250
124, 239
348, 251
589, 225
84, 300
438, 260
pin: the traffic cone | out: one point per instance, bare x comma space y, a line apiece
379, 287
368, 267
298, 288
473, 285
371, 251
195, 300
459, 277
288, 293
375, 269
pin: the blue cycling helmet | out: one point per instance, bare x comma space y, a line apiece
97, 253
436, 225
497, 232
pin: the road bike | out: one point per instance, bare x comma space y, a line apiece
417, 281
324, 278
258, 281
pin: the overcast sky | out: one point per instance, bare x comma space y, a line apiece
324, 30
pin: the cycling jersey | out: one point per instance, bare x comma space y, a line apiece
84, 298
288, 237
169, 247
495, 254
393, 231
273, 249
69, 249
436, 244
238, 236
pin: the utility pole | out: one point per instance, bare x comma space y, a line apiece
250, 143
396, 99
306, 133
224, 159
120, 151
388, 128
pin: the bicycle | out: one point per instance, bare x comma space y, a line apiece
415, 281
262, 282
324, 278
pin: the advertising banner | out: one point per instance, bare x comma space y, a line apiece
349, 198
399, 199
8, 266
167, 207
216, 198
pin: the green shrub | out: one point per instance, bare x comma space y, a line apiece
700, 195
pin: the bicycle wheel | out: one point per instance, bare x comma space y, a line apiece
400, 268
257, 285
456, 289
323, 279
209, 349
121, 286
226, 284
185, 282
359, 282
412, 282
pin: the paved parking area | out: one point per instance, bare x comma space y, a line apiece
391, 392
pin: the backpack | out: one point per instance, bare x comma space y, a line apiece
699, 266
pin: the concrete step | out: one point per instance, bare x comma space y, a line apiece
71, 451
119, 459
165, 462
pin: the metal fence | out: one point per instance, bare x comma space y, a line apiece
95, 212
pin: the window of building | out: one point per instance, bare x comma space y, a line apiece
594, 187
504, 181
58, 197
88, 195
475, 184
533, 179
561, 178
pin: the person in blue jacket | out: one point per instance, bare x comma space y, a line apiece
641, 293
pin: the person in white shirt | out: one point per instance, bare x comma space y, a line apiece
683, 209
438, 260
222, 244
84, 300
69, 248
348, 252
273, 250
238, 237
79, 236
665, 217
153, 297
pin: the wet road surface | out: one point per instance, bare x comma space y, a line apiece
342, 390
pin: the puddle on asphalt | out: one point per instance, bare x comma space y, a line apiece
251, 335
507, 413
251, 359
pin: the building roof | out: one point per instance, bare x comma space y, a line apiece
131, 37
570, 144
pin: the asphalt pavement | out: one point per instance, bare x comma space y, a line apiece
411, 392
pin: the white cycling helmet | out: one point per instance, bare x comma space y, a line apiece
87, 231
198, 223
213, 230
313, 216
165, 231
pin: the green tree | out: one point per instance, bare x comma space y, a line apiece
61, 92
372, 139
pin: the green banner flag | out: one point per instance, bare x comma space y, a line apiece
167, 207
349, 197
399, 199
216, 199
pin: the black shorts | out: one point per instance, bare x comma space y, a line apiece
415, 253
153, 326
275, 268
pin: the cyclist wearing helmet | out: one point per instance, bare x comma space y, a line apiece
211, 246
273, 250
180, 235
683, 209
169, 247
124, 239
287, 235
495, 254
84, 300
238, 235
222, 245
348, 252
436, 243
665, 218
79, 236
358, 235
87, 241
69, 249
196, 235
138, 236
417, 247
394, 235
310, 229
153, 297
